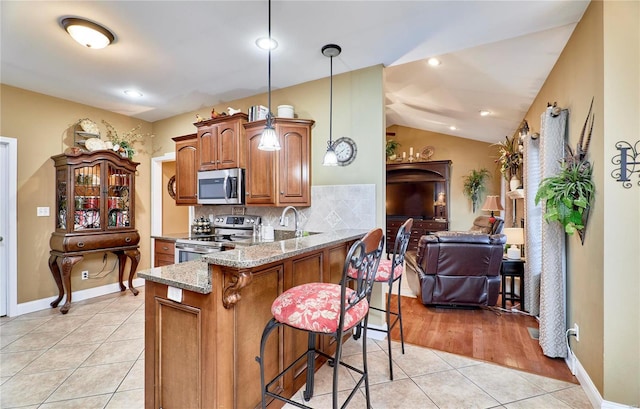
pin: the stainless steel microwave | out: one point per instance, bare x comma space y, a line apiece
225, 186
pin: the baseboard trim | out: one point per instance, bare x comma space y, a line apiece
590, 389
45, 303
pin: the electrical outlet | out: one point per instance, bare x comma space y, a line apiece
85, 274
42, 211
577, 331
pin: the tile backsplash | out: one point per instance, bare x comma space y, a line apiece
332, 207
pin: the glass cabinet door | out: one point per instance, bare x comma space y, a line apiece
118, 197
87, 198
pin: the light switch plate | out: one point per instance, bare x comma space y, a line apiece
42, 211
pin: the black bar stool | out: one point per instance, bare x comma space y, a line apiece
342, 307
385, 275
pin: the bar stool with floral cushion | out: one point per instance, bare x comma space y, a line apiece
384, 275
329, 309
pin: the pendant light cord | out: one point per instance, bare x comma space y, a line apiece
269, 70
331, 102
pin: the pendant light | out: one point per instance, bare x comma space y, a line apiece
330, 158
269, 139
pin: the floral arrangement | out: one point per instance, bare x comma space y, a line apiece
510, 159
123, 143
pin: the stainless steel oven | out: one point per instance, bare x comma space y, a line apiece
225, 186
228, 229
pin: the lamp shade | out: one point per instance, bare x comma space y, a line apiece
492, 204
515, 235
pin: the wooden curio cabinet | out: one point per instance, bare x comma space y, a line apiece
94, 212
279, 178
220, 142
187, 163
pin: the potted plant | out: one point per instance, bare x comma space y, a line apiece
568, 195
391, 149
510, 160
474, 185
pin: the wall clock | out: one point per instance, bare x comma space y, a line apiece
346, 150
171, 187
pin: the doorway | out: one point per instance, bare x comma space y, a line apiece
8, 225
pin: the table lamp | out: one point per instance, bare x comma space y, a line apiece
492, 204
441, 203
515, 237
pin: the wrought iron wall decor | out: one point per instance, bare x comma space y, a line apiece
627, 163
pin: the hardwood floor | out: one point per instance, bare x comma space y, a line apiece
493, 336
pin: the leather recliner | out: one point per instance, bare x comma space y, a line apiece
457, 268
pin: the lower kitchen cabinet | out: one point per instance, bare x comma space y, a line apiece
164, 252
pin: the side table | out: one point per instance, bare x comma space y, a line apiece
512, 269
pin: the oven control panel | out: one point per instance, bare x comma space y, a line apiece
227, 221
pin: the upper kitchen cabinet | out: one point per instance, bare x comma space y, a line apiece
187, 164
221, 142
279, 178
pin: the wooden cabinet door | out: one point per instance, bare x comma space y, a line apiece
187, 163
207, 147
228, 151
293, 167
178, 340
260, 174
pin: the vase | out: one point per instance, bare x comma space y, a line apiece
514, 183
393, 157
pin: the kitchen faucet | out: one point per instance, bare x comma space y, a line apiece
297, 219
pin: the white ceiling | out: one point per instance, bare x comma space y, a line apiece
187, 55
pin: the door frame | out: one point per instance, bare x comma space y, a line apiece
9, 218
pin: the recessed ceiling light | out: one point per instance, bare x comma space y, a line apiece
484, 112
87, 33
434, 62
453, 128
133, 93
265, 43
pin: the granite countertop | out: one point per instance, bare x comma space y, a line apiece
191, 275
172, 236
194, 275
268, 252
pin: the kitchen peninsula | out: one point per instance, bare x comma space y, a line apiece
204, 320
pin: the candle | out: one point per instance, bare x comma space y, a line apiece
404, 155
411, 151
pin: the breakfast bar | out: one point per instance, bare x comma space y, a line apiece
204, 320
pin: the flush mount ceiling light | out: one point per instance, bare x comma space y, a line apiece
434, 62
330, 158
453, 128
87, 33
484, 112
133, 93
269, 139
265, 43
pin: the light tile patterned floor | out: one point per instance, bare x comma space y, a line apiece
93, 358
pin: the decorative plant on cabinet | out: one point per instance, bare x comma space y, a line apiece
510, 160
568, 195
474, 185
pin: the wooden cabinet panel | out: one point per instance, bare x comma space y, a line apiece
420, 228
178, 340
221, 142
187, 163
260, 181
294, 178
283, 177
164, 252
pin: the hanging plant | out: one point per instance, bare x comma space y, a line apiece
474, 185
569, 194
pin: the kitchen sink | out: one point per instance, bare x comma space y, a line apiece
289, 234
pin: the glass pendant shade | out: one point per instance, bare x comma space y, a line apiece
330, 158
88, 34
269, 140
